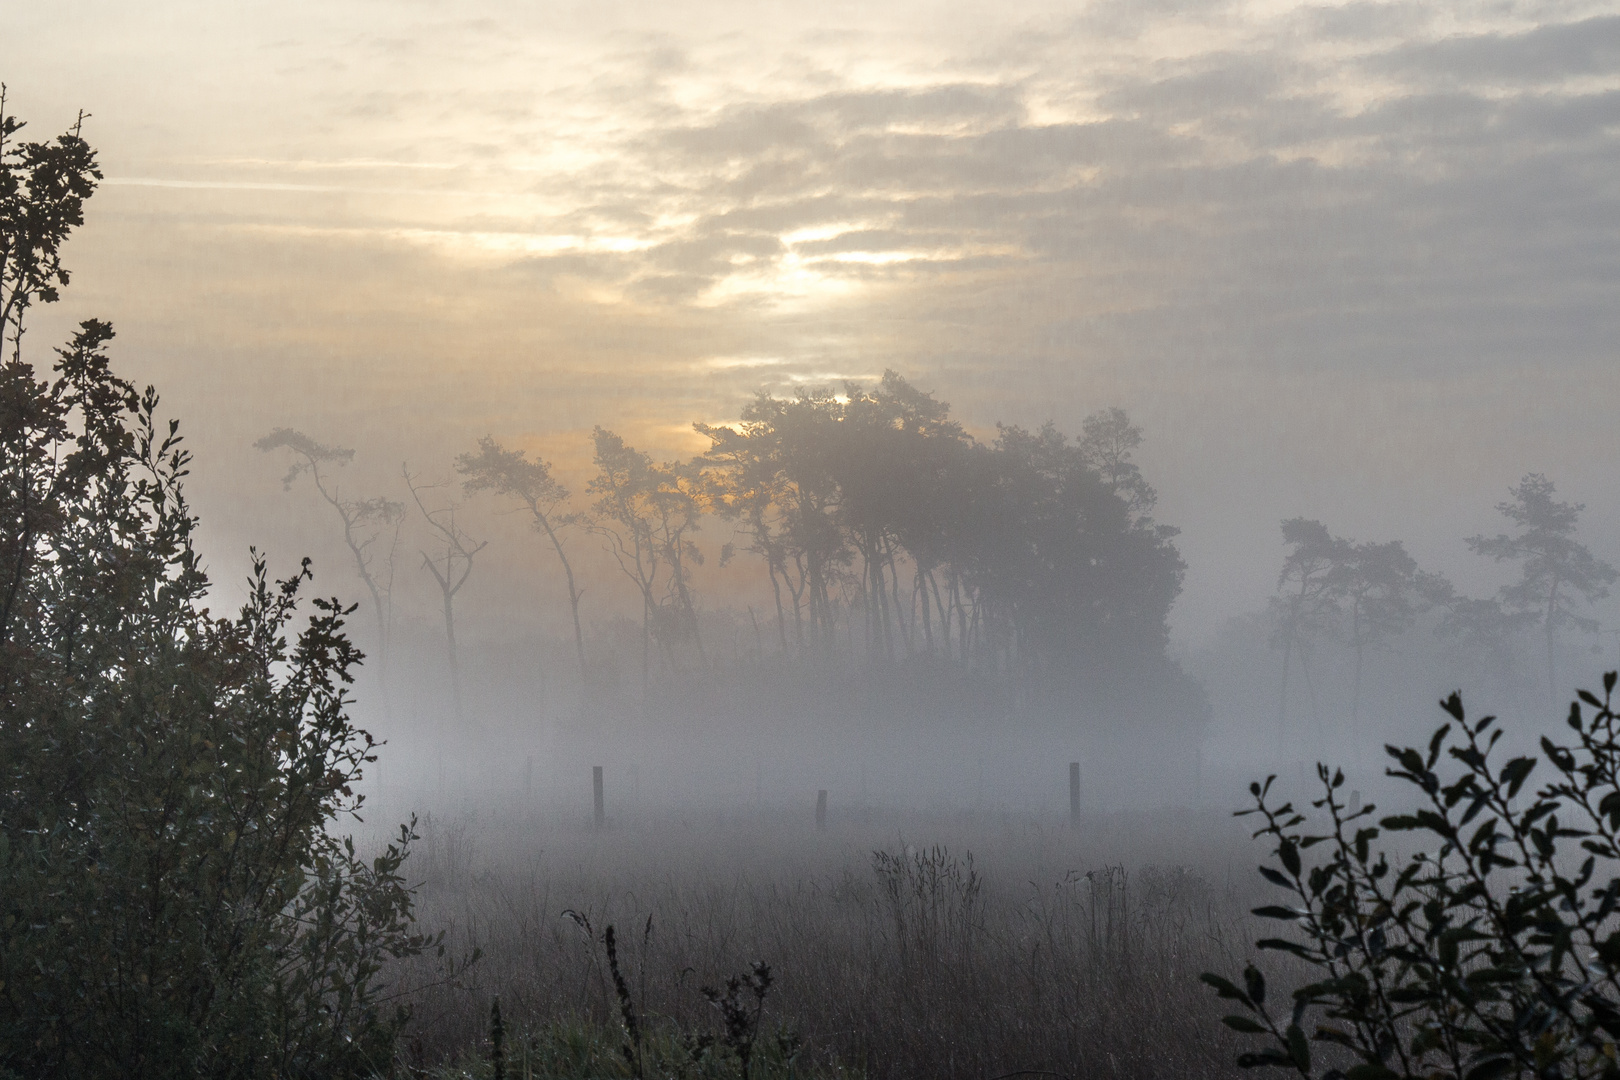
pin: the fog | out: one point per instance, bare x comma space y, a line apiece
1352, 263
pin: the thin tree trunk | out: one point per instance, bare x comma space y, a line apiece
573, 595
1552, 610
1355, 636
781, 617
927, 614
450, 650
1282, 699
1355, 693
900, 611
944, 614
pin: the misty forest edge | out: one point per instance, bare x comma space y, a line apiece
151, 743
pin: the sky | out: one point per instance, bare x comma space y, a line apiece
1358, 262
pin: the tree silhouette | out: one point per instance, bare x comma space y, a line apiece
1107, 439
1035, 552
364, 521
1555, 569
1383, 592
1308, 604
747, 485
776, 472
881, 466
1079, 583
43, 186
510, 472
178, 896
647, 514
450, 570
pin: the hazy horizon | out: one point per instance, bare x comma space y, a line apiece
1350, 262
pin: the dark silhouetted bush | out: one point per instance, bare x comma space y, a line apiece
1491, 950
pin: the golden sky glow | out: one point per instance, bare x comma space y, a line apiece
1355, 261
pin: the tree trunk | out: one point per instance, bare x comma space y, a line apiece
450, 651
1355, 689
781, 618
1282, 700
1552, 612
927, 613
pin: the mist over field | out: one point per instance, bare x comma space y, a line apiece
1353, 264
1014, 428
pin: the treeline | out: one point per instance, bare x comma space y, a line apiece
1361, 597
884, 531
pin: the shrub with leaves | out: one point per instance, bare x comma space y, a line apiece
1491, 951
174, 900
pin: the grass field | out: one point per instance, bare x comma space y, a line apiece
902, 944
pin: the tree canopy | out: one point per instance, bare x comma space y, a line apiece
173, 898
1031, 553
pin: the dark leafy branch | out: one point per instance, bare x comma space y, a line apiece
1492, 951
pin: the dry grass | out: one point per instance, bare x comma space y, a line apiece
1048, 951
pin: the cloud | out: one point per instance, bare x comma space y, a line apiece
1544, 54
1206, 212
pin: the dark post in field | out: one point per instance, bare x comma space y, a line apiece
821, 809
1074, 793
596, 791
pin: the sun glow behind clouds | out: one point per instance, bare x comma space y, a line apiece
580, 141
639, 213
523, 139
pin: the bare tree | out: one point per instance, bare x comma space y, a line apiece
510, 472
449, 570
365, 521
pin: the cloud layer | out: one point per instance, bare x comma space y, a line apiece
1356, 261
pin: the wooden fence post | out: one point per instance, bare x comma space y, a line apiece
596, 786
1074, 793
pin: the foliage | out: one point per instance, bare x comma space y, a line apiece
1365, 593
511, 473
1490, 951
647, 512
1032, 554
173, 900
1554, 566
43, 186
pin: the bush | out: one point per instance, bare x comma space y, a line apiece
173, 901
1496, 953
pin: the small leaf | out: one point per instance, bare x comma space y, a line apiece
1514, 773
1289, 854
1255, 983
1299, 1049
1225, 989
1276, 877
